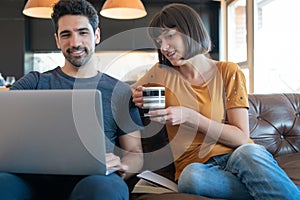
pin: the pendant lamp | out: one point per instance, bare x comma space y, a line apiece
39, 8
123, 9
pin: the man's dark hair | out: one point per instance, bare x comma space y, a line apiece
188, 22
75, 7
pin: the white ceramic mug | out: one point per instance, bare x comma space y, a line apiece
154, 98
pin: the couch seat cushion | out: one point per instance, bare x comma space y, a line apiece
171, 196
290, 163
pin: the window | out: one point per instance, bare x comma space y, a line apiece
126, 66
237, 35
237, 32
276, 42
263, 38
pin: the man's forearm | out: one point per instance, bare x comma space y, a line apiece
134, 161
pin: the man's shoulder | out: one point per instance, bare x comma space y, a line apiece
52, 71
43, 74
114, 81
109, 78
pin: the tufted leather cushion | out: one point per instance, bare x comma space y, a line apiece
274, 121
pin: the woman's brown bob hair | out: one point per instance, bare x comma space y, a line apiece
188, 22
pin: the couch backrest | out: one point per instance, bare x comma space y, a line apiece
274, 121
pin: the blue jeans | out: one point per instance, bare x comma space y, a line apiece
110, 187
25, 187
250, 172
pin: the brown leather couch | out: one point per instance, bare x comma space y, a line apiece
274, 121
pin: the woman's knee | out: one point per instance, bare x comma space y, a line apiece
191, 178
250, 153
251, 150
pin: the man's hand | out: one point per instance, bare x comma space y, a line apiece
113, 161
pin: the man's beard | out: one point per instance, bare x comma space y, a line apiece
78, 61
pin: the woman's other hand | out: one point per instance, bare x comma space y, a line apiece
137, 96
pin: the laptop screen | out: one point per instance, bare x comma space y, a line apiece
52, 132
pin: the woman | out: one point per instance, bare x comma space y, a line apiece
212, 158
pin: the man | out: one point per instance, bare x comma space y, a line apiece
77, 34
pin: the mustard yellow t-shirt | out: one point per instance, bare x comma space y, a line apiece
226, 85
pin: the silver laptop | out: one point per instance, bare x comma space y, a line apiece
52, 132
